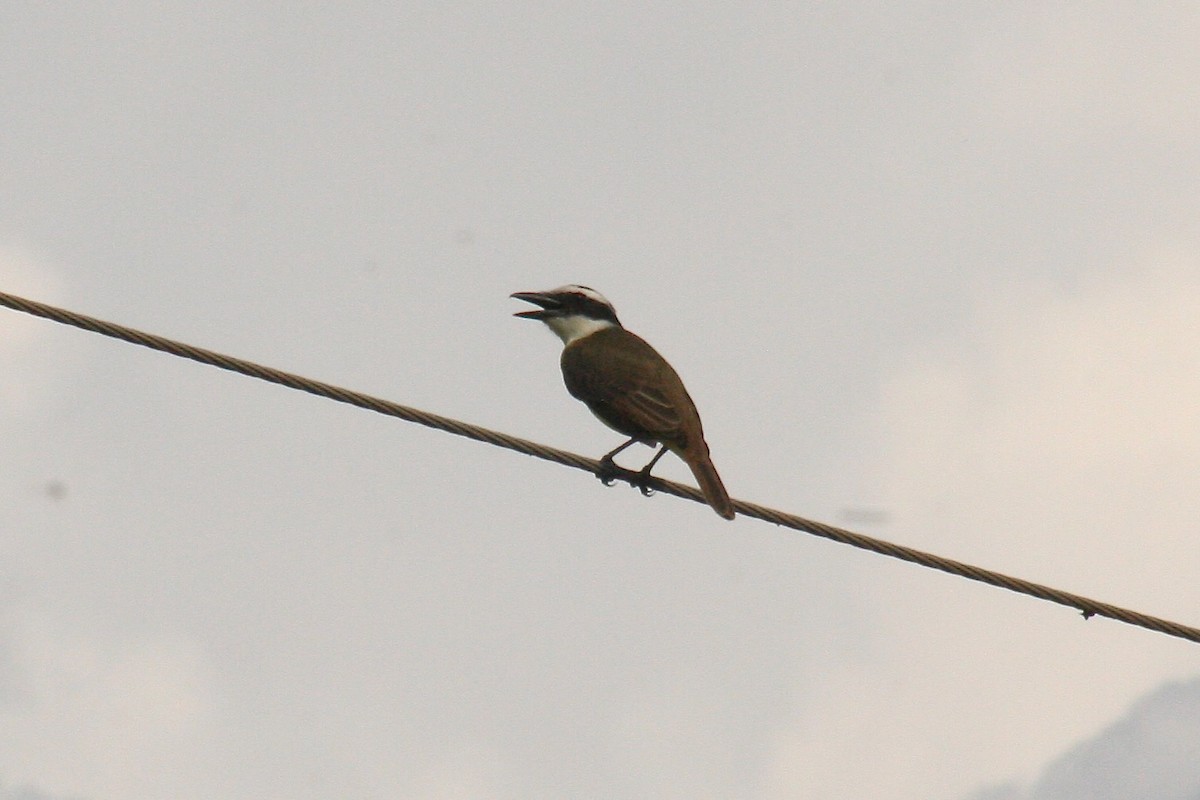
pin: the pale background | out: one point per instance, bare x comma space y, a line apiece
931, 271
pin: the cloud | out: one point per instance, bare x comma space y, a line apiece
86, 712
1151, 753
31, 360
1067, 412
28, 793
1057, 441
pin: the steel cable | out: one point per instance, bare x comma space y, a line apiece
1085, 605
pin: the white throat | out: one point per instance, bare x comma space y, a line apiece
576, 327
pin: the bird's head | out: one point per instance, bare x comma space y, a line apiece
571, 311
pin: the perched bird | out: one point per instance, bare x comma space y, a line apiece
626, 384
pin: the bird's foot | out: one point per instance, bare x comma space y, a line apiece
608, 471
642, 481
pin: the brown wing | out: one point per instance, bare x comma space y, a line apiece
630, 387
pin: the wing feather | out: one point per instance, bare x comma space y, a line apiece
628, 385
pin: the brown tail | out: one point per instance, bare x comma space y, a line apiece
711, 486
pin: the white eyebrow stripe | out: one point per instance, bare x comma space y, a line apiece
583, 290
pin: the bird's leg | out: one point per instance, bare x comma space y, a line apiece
608, 468
643, 478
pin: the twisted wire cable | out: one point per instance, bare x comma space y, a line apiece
1087, 606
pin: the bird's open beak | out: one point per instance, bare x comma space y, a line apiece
549, 306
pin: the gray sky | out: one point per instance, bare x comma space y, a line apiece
938, 261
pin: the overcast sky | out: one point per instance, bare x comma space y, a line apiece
931, 271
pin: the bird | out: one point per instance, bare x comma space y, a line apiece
627, 385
